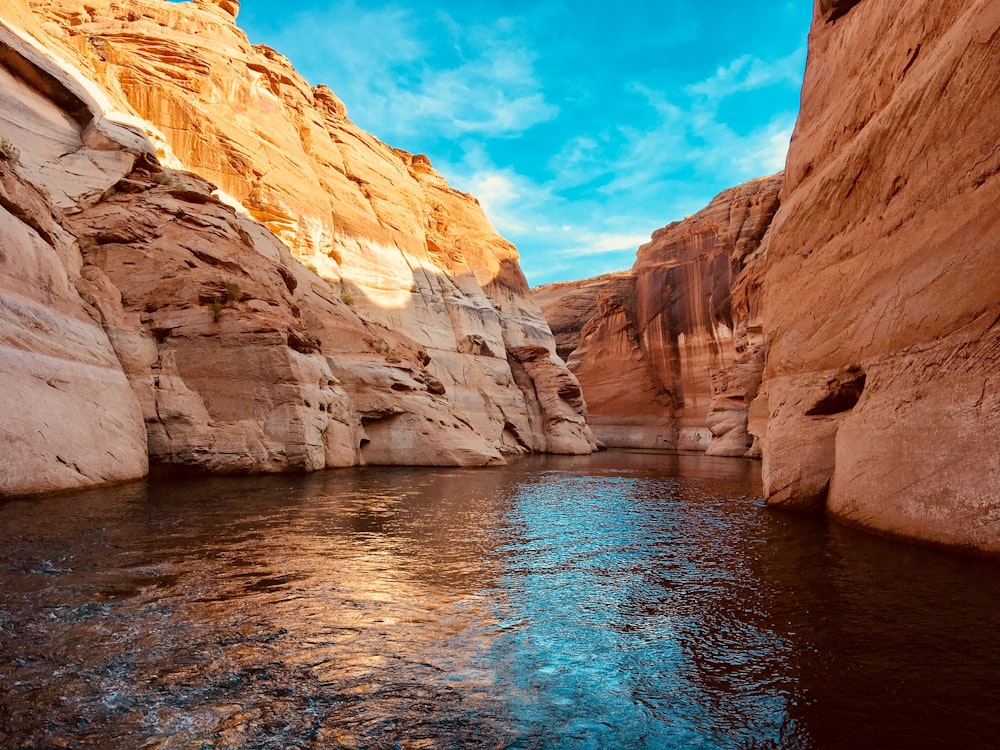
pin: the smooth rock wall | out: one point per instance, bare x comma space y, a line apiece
69, 418
882, 286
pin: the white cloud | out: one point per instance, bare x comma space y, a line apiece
691, 136
514, 203
359, 41
579, 161
556, 235
587, 243
768, 148
648, 154
394, 82
748, 73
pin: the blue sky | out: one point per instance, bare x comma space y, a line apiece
580, 126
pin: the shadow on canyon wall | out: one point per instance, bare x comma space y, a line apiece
239, 358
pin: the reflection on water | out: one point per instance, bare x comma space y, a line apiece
625, 600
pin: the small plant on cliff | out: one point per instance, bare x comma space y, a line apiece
233, 292
347, 298
216, 307
162, 178
9, 152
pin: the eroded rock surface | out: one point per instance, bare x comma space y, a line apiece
883, 260
69, 418
673, 354
569, 305
281, 290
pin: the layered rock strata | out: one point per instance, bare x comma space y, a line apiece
254, 283
671, 354
882, 286
569, 305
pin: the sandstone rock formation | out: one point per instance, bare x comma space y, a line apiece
280, 290
569, 305
882, 286
685, 278
673, 354
69, 416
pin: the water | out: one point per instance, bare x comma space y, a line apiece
625, 600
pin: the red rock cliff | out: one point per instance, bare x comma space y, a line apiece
883, 286
672, 355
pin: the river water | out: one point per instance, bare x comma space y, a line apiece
624, 600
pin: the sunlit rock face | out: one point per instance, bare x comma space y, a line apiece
68, 417
281, 290
883, 287
670, 354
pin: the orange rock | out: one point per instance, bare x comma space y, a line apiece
670, 354
883, 261
568, 305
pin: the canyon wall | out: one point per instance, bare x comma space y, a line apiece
569, 305
207, 263
670, 355
883, 287
875, 291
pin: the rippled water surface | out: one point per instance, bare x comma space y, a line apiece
624, 600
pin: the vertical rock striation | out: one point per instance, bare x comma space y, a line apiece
673, 353
882, 286
684, 280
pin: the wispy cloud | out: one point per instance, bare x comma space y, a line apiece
514, 203
749, 73
767, 149
587, 243
602, 194
686, 135
578, 145
394, 83
556, 235
691, 132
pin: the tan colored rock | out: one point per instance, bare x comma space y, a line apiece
685, 279
236, 382
883, 257
561, 410
410, 252
69, 418
240, 358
